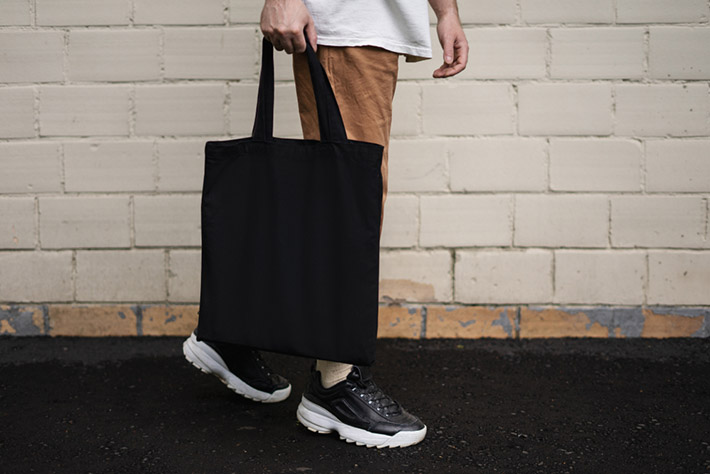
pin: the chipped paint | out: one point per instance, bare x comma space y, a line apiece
22, 320
398, 321
469, 321
580, 322
6, 327
172, 320
666, 322
91, 320
557, 322
504, 321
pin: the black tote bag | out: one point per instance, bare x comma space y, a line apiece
291, 235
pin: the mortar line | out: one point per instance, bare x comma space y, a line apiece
423, 310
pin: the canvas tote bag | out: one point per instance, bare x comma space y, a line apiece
290, 235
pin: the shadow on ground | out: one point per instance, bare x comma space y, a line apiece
120, 405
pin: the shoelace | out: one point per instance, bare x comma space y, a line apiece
257, 357
382, 402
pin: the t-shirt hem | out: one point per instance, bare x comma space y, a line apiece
422, 52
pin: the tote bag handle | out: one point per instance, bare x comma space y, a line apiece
330, 121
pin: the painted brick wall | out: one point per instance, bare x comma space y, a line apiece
558, 187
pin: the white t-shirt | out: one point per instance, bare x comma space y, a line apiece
401, 26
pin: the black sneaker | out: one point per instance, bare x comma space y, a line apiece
359, 411
240, 368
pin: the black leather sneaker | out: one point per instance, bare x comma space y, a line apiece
240, 368
359, 412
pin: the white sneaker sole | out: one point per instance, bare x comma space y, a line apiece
320, 420
208, 361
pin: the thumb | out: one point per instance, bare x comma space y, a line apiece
311, 35
448, 51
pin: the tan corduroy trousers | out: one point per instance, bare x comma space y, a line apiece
363, 79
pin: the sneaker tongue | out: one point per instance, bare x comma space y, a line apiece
360, 373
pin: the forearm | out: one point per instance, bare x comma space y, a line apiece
443, 8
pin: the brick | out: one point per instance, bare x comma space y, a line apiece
181, 165
15, 13
657, 221
108, 166
662, 109
406, 110
503, 276
31, 56
82, 12
120, 55
470, 321
283, 64
501, 53
567, 11
29, 167
679, 53
417, 165
597, 53
184, 276
554, 322
571, 220
209, 53
179, 12
678, 277
244, 11
661, 11
498, 164
599, 277
564, 109
167, 220
446, 108
400, 321
171, 320
595, 165
18, 117
17, 226
242, 110
487, 11
21, 320
119, 275
92, 320
286, 118
29, 276
83, 110
461, 220
409, 275
84, 221
180, 109
401, 221
678, 165
672, 322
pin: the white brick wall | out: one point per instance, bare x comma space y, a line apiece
569, 164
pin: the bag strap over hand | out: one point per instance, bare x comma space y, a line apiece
330, 121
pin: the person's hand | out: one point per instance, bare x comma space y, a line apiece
453, 41
282, 23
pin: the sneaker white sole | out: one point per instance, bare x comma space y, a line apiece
209, 361
320, 420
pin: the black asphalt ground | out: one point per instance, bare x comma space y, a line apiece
125, 405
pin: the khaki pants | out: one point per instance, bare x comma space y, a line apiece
363, 79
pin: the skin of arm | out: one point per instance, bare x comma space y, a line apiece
451, 36
283, 22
